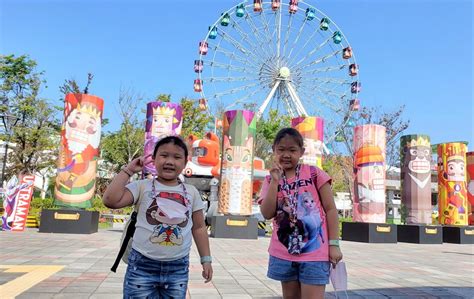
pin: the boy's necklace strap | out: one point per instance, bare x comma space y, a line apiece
185, 192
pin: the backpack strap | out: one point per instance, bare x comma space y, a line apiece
130, 229
129, 234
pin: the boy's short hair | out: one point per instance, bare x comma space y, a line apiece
174, 139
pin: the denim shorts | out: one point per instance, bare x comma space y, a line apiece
148, 278
312, 273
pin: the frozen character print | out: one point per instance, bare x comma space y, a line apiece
169, 213
285, 225
310, 215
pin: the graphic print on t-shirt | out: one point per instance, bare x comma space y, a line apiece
308, 215
168, 212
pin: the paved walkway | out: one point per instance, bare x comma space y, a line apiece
38, 265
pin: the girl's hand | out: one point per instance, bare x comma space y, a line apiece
207, 272
137, 164
335, 255
276, 171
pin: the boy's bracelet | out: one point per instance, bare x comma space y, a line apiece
206, 259
128, 172
334, 243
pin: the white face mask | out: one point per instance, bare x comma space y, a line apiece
174, 213
338, 277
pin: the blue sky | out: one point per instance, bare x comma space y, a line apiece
417, 53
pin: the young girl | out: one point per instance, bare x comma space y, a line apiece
169, 212
305, 238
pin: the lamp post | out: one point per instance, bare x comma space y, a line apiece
8, 121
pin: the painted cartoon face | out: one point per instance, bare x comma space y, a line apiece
161, 124
288, 152
418, 159
82, 129
286, 206
238, 156
308, 201
371, 182
456, 170
169, 161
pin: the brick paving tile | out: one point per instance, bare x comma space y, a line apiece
401, 270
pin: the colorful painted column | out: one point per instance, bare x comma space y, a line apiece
452, 192
415, 157
16, 202
470, 186
79, 150
162, 119
235, 194
369, 172
311, 128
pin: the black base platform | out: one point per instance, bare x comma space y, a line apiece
369, 232
458, 234
420, 233
235, 227
69, 221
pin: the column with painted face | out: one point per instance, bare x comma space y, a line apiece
79, 150
311, 128
369, 173
415, 176
162, 119
470, 186
452, 191
16, 199
235, 194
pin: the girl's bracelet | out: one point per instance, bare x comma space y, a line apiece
334, 243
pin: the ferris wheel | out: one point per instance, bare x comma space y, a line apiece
285, 56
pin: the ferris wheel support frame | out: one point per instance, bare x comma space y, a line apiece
267, 99
294, 96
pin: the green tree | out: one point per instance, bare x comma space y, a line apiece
122, 146
195, 121
339, 169
30, 120
71, 86
163, 98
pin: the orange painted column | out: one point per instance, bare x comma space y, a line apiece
452, 192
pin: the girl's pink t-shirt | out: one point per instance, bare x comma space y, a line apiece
311, 218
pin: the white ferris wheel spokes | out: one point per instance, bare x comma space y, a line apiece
285, 56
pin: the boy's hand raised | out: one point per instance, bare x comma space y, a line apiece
137, 164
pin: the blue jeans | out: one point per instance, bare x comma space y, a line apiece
148, 278
313, 273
